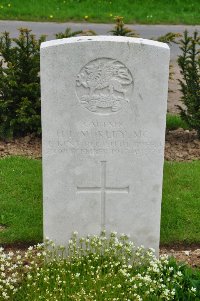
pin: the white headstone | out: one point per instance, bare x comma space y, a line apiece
104, 102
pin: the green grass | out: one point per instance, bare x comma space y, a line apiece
180, 222
20, 200
21, 206
134, 11
174, 122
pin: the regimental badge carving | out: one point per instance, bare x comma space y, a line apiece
104, 85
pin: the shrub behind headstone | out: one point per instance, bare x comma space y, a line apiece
189, 63
20, 84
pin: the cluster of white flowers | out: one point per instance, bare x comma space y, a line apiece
9, 274
14, 268
90, 268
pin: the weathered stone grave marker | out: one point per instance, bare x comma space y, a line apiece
104, 103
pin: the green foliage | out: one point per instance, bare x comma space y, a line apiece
121, 30
95, 268
189, 62
19, 84
169, 38
180, 221
174, 122
20, 200
69, 33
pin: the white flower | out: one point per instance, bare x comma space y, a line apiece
166, 292
4, 294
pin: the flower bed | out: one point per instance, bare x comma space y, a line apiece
94, 268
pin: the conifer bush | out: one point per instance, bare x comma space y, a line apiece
189, 62
68, 33
121, 30
20, 84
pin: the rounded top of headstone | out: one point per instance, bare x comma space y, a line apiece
119, 39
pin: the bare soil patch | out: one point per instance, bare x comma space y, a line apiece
189, 255
28, 146
182, 145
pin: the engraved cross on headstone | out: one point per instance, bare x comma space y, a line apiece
103, 189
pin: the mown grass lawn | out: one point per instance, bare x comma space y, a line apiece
21, 201
134, 11
181, 203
